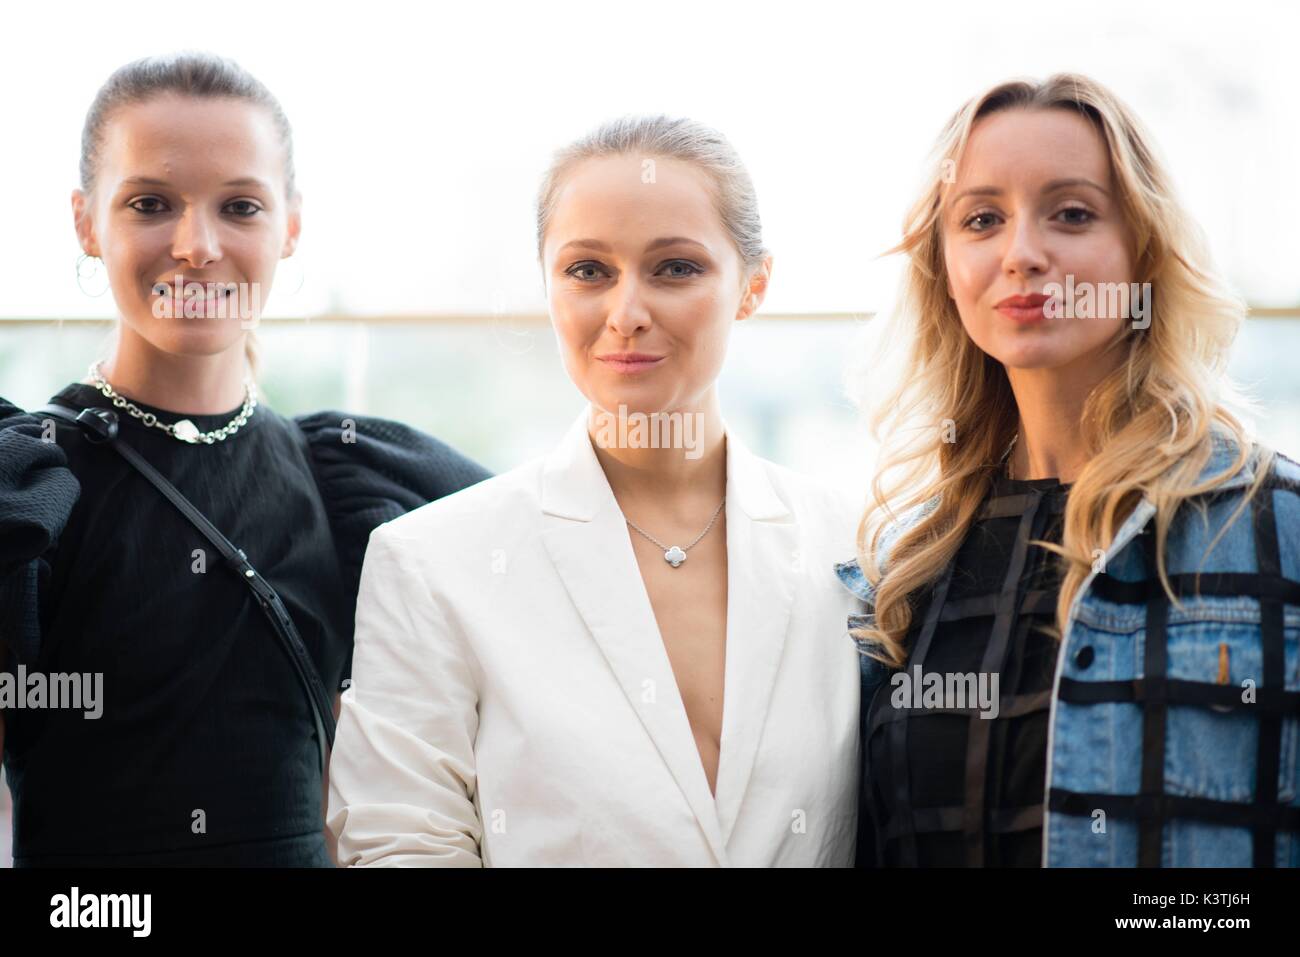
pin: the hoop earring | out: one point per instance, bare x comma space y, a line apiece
84, 274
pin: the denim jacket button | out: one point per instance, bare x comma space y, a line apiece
1083, 658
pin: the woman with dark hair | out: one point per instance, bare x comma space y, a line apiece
209, 748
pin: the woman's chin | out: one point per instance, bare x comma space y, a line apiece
1042, 354
630, 399
197, 341
1031, 361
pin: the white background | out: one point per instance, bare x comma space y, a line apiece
422, 129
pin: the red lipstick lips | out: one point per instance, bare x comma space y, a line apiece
1023, 308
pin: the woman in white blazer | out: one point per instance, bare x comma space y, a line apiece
632, 651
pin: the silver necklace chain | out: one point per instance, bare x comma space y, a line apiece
676, 554
183, 430
1006, 456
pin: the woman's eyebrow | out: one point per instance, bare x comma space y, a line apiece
154, 181
144, 181
595, 244
248, 181
1056, 184
673, 241
1053, 186
654, 244
976, 191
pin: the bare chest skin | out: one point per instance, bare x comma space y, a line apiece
690, 608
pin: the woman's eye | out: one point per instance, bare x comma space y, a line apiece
680, 268
980, 221
244, 207
586, 272
1076, 216
147, 204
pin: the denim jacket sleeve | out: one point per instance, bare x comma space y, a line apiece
853, 578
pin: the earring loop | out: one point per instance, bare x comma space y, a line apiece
85, 274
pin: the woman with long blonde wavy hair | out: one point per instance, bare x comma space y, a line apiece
1079, 645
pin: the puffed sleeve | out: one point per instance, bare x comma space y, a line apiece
402, 776
37, 493
372, 470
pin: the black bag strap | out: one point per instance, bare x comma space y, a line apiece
100, 427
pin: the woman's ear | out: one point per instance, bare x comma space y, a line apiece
293, 227
83, 223
755, 289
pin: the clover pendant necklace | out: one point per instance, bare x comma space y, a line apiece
675, 554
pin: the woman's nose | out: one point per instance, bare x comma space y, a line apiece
628, 313
195, 240
1025, 252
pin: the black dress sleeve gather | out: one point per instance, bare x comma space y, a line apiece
372, 470
37, 493
200, 708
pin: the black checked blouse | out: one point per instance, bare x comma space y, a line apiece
946, 787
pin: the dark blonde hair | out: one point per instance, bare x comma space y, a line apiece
1149, 426
676, 138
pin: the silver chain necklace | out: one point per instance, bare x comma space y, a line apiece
184, 430
675, 554
1006, 456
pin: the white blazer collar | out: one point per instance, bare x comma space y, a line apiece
574, 485
590, 546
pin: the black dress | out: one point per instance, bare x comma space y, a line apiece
944, 786
204, 752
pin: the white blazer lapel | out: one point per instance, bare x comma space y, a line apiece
587, 539
762, 570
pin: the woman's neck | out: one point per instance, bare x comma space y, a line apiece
1051, 401
690, 461
189, 385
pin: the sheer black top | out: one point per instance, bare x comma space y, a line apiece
204, 751
943, 785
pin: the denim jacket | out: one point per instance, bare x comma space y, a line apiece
1173, 733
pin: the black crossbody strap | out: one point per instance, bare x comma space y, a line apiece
100, 427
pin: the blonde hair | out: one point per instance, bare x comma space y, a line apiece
1149, 426
676, 138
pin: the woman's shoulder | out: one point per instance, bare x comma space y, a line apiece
814, 500
1226, 452
511, 499
1278, 487
810, 487
850, 571
371, 470
1286, 471
357, 452
376, 469
37, 494
1283, 481
37, 490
